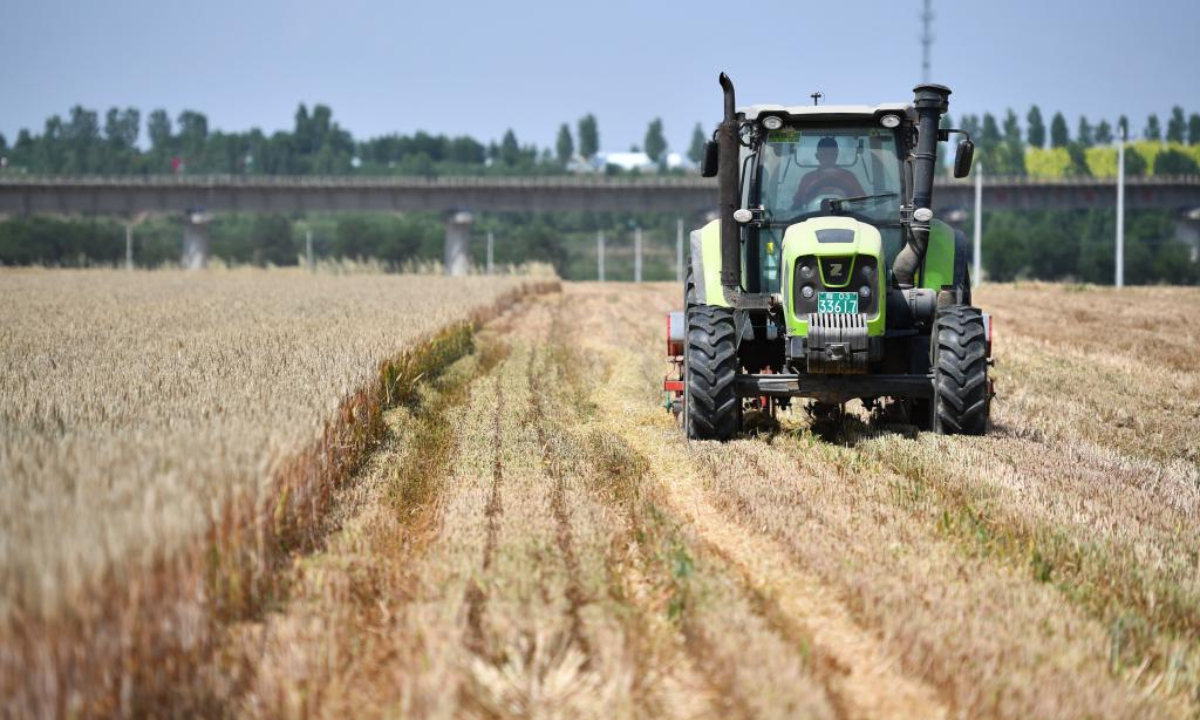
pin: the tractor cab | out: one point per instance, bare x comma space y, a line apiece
840, 162
826, 275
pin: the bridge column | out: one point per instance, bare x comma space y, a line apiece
195, 239
458, 243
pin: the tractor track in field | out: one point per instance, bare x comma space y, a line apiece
552, 464
474, 637
861, 679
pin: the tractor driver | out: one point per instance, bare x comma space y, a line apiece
827, 179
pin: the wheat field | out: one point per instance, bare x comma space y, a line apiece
528, 535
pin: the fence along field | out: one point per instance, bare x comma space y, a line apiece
167, 437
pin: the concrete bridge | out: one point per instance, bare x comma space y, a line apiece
197, 197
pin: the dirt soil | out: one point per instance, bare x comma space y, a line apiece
536, 539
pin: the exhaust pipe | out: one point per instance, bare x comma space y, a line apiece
727, 193
931, 102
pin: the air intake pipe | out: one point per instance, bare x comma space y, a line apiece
931, 102
727, 193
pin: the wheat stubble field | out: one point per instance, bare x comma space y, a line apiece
524, 533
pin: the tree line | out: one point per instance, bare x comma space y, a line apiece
1005, 147
83, 143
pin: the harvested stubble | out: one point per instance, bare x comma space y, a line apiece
580, 559
166, 439
534, 538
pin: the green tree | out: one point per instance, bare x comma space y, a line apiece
696, 149
510, 149
1194, 129
565, 146
1135, 163
1153, 131
1059, 135
1176, 126
1078, 166
158, 127
1104, 133
589, 136
193, 132
656, 142
302, 131
1014, 148
989, 137
1174, 162
121, 127
1083, 135
1035, 127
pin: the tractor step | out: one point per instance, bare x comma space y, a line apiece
849, 386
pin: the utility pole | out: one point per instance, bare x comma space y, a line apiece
926, 38
308, 252
491, 246
600, 255
637, 254
129, 246
679, 250
977, 273
1120, 279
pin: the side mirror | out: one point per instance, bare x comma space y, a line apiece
963, 157
708, 164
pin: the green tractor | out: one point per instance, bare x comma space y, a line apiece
826, 275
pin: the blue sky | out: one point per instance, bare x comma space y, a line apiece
479, 68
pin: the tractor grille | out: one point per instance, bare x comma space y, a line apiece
837, 321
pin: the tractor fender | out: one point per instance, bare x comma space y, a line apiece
705, 248
942, 258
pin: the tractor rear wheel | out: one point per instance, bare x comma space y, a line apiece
714, 410
962, 399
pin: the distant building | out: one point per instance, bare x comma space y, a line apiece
627, 161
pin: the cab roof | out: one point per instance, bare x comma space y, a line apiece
752, 112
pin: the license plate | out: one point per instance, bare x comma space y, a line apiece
837, 302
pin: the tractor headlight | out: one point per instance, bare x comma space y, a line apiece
806, 272
807, 292
864, 292
890, 121
772, 122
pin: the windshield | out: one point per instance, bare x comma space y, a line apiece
804, 170
801, 168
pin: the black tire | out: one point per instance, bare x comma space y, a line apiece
714, 411
961, 395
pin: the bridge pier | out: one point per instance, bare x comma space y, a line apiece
458, 243
195, 239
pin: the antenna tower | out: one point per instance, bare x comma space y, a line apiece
926, 38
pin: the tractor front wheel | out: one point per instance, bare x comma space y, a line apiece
714, 410
961, 398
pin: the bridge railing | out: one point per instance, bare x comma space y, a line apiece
505, 182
